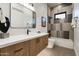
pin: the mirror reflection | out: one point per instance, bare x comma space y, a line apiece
22, 15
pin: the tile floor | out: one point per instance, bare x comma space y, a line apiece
57, 51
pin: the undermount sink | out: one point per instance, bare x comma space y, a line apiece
33, 33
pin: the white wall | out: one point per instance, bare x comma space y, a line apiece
5, 8
76, 30
41, 10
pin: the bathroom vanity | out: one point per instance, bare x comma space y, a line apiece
23, 45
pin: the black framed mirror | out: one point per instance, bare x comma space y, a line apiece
43, 21
34, 20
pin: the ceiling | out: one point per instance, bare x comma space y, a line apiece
53, 4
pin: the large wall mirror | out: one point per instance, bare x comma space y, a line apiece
22, 17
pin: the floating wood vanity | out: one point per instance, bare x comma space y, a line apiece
23, 45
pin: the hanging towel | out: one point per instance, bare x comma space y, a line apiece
73, 24
2, 17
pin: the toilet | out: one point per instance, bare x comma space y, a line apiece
51, 43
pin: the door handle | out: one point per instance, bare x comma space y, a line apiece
18, 50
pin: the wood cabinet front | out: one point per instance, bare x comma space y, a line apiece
37, 45
19, 49
33, 47
26, 48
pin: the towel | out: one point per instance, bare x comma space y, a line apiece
2, 17
73, 24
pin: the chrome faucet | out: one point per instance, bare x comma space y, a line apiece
28, 27
28, 31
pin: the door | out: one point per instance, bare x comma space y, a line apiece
76, 29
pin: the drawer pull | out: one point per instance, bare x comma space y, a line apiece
18, 50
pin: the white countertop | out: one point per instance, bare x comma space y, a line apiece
19, 38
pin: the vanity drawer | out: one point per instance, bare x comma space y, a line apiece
19, 49
33, 47
26, 48
38, 44
7, 51
44, 40
22, 49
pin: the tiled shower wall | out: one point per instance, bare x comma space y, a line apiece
62, 29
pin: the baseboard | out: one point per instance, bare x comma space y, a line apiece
76, 51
